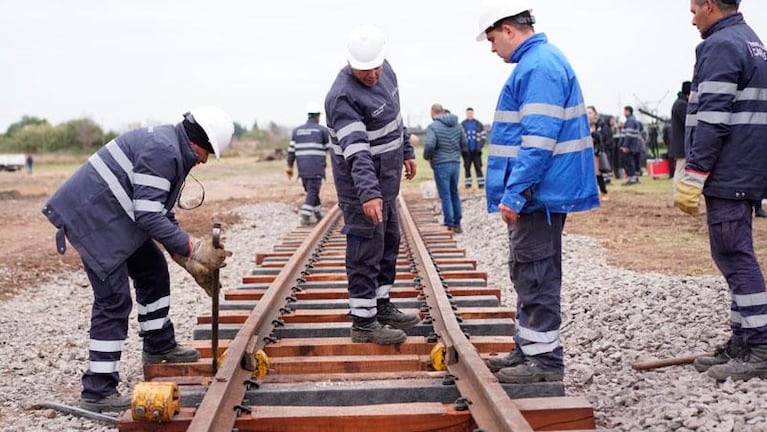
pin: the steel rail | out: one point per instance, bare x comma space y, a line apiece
490, 406
218, 409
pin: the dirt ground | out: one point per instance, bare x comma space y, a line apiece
637, 225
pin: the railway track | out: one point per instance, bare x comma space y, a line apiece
286, 363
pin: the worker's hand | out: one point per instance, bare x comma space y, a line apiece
508, 215
687, 198
201, 274
410, 168
211, 257
289, 173
689, 190
373, 209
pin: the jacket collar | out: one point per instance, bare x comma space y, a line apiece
535, 39
188, 156
727, 21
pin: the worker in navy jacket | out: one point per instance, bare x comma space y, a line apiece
727, 138
112, 210
308, 148
369, 147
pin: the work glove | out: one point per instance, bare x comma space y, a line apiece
201, 274
289, 173
204, 253
689, 190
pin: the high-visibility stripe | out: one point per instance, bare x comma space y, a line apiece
382, 292
392, 126
539, 348
543, 143
750, 322
148, 206
536, 336
364, 312
353, 149
746, 300
350, 129
136, 178
155, 324
355, 302
154, 306
300, 153
106, 345
152, 181
104, 367
565, 147
718, 87
506, 117
114, 185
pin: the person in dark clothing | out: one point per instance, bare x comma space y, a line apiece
472, 154
308, 148
370, 147
676, 145
631, 146
726, 165
445, 141
115, 210
602, 137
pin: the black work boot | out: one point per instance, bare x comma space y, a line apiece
528, 372
112, 403
318, 215
370, 330
388, 314
306, 220
722, 354
176, 355
514, 358
751, 364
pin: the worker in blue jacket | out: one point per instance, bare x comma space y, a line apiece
727, 138
540, 168
308, 148
369, 146
112, 210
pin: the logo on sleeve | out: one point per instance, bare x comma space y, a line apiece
757, 50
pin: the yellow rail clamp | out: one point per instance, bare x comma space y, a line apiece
437, 357
264, 364
155, 401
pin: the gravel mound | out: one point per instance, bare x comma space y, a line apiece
611, 318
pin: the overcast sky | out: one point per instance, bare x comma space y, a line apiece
147, 61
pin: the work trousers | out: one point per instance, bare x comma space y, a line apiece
473, 158
535, 267
630, 164
312, 202
109, 316
732, 248
446, 179
371, 258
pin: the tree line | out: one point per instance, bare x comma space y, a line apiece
35, 135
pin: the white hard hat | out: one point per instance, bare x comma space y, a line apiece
313, 108
493, 11
365, 47
217, 124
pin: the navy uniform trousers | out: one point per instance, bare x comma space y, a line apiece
371, 262
732, 248
312, 202
535, 267
112, 305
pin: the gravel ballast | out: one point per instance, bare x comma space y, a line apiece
611, 318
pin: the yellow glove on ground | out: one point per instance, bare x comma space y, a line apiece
201, 274
211, 257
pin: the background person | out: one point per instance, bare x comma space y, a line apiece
308, 148
726, 164
540, 167
445, 141
472, 155
112, 210
369, 147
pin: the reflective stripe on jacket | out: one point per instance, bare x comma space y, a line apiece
368, 139
308, 148
726, 125
540, 145
123, 196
